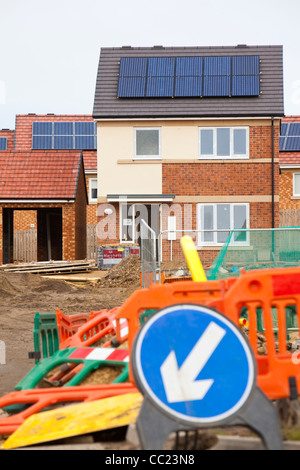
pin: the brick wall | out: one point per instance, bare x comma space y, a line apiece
23, 139
224, 179
24, 219
92, 206
286, 191
80, 218
10, 135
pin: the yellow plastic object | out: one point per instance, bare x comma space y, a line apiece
75, 420
192, 259
243, 322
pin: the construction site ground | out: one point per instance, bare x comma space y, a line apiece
24, 294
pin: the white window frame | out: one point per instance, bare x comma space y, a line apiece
147, 157
214, 242
294, 184
129, 242
232, 155
92, 199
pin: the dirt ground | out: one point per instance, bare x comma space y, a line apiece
23, 295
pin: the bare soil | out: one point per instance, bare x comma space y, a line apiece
22, 295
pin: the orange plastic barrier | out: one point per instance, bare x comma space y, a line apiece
101, 323
38, 400
68, 324
270, 290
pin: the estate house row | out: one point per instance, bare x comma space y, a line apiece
192, 138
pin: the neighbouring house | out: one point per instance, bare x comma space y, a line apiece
63, 132
51, 184
56, 133
289, 179
189, 141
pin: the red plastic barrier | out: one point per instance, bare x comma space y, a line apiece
268, 291
101, 324
40, 399
68, 325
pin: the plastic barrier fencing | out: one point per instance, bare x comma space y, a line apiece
267, 295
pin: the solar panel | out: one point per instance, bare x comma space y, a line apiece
245, 76
245, 65
294, 129
161, 67
289, 137
85, 142
85, 128
42, 128
188, 86
189, 76
131, 87
189, 66
281, 143
216, 66
62, 142
245, 85
133, 67
3, 143
41, 142
132, 79
63, 128
292, 143
64, 135
160, 87
283, 129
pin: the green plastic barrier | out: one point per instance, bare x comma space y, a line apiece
145, 315
66, 356
45, 335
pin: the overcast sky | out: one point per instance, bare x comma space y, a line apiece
50, 50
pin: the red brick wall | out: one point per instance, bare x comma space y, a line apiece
10, 138
92, 207
109, 224
23, 140
23, 220
260, 217
286, 191
80, 218
223, 179
228, 178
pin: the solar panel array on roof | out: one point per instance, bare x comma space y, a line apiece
3, 143
289, 139
169, 77
64, 135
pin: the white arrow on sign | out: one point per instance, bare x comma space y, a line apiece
181, 384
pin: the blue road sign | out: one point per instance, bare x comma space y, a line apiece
194, 364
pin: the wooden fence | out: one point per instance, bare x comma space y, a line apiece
25, 244
91, 242
289, 218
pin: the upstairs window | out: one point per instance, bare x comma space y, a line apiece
224, 142
65, 135
93, 191
147, 143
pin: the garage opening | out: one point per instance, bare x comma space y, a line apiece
46, 245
